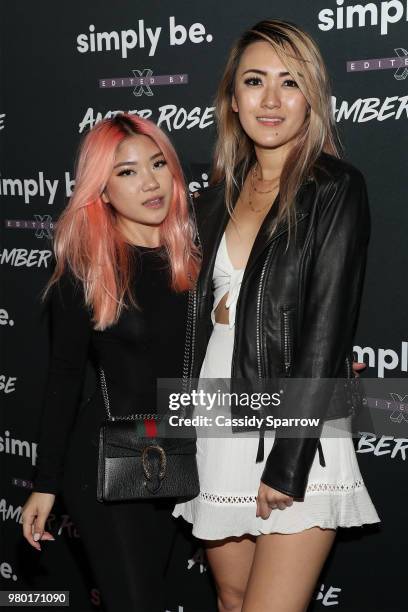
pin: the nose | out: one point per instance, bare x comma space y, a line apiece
271, 98
150, 182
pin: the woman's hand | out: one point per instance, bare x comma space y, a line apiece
34, 516
269, 499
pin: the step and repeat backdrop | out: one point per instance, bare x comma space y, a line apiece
64, 67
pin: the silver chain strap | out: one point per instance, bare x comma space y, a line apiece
189, 340
189, 345
130, 417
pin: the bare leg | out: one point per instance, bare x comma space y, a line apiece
230, 561
285, 570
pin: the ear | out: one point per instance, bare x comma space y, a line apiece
234, 104
104, 197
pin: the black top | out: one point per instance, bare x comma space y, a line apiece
145, 344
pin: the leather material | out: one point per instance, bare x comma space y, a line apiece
133, 467
310, 286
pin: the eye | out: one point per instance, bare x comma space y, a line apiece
253, 81
160, 163
290, 83
126, 172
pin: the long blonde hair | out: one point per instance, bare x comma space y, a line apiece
234, 150
87, 241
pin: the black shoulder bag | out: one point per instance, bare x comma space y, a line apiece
135, 463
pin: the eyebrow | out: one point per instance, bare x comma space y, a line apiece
264, 73
134, 163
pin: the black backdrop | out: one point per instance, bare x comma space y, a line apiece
56, 82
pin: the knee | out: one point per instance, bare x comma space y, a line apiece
230, 598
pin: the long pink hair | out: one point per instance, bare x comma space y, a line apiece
87, 240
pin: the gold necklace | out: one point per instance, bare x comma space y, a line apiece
255, 210
253, 188
254, 176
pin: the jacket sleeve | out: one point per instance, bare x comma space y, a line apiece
330, 313
70, 335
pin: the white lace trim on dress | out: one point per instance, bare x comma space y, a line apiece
321, 487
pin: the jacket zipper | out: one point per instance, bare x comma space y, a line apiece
260, 296
259, 313
351, 387
272, 245
287, 340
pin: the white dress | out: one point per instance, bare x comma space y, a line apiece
336, 495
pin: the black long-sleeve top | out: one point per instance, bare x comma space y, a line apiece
145, 344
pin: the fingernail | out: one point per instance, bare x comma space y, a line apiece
36, 537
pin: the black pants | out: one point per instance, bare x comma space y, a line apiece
128, 543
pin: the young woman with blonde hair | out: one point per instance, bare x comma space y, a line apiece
125, 259
284, 230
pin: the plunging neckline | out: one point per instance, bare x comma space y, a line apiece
224, 240
227, 281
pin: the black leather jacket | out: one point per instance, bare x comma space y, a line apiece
298, 306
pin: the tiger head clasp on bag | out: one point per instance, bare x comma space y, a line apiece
155, 448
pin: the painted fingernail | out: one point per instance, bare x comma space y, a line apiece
36, 537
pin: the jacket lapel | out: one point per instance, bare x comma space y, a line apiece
264, 238
212, 218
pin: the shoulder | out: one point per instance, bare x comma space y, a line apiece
205, 193
207, 201
333, 172
341, 193
67, 292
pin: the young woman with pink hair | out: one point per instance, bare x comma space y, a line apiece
125, 259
